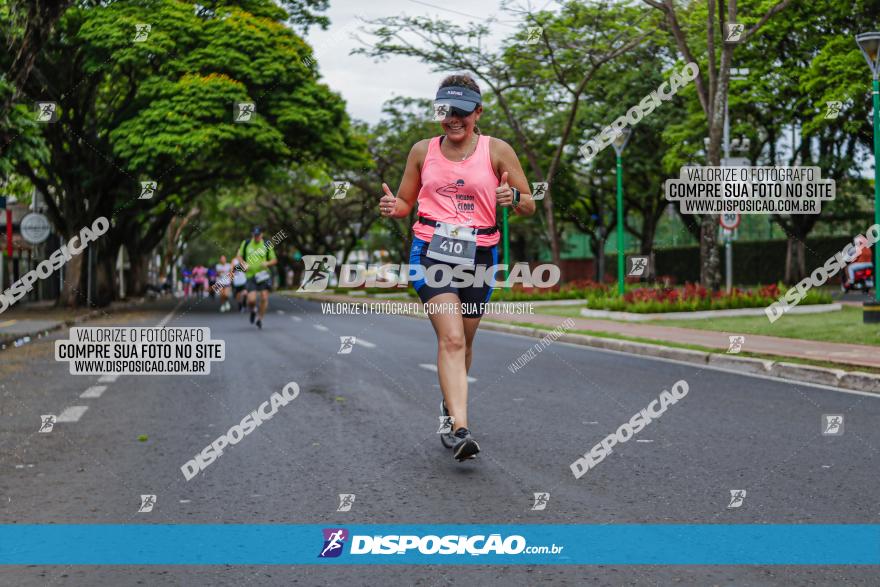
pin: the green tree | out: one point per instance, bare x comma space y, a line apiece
162, 108
701, 36
781, 107
405, 122
537, 89
623, 84
24, 29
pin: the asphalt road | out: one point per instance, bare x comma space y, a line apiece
365, 423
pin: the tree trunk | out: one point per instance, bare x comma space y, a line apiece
788, 253
795, 259
105, 275
710, 275
73, 291
298, 271
600, 260
646, 246
802, 258
800, 261
136, 276
283, 264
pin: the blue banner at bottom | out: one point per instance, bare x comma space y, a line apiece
524, 544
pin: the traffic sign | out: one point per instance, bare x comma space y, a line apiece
35, 228
727, 235
729, 220
735, 162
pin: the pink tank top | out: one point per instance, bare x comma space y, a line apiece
458, 192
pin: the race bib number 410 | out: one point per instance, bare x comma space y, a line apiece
453, 244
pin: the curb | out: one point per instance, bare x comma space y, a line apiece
8, 340
849, 380
702, 314
807, 373
747, 364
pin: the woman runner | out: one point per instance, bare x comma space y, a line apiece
458, 179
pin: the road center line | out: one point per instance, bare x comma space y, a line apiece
108, 378
364, 343
72, 414
169, 316
94, 391
321, 327
433, 367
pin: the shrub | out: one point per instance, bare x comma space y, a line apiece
688, 298
694, 297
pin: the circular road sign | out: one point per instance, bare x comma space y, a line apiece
35, 228
729, 221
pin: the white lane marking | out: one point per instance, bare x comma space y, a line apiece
321, 327
94, 391
170, 315
364, 343
826, 466
643, 440
296, 318
71, 414
74, 413
279, 311
433, 367
585, 422
109, 378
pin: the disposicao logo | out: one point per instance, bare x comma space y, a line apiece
334, 540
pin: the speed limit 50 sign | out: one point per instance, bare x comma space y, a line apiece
729, 221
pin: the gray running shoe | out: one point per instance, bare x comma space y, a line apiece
466, 447
447, 439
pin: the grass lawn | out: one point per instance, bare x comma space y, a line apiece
843, 326
601, 334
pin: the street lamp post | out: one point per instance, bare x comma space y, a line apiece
619, 144
869, 43
741, 144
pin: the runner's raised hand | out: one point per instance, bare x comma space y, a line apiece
503, 193
388, 202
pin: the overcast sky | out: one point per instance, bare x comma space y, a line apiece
366, 84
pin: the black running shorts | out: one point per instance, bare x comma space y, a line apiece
473, 298
252, 285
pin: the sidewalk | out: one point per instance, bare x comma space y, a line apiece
38, 318
847, 354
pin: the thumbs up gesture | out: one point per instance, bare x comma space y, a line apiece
388, 202
503, 193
